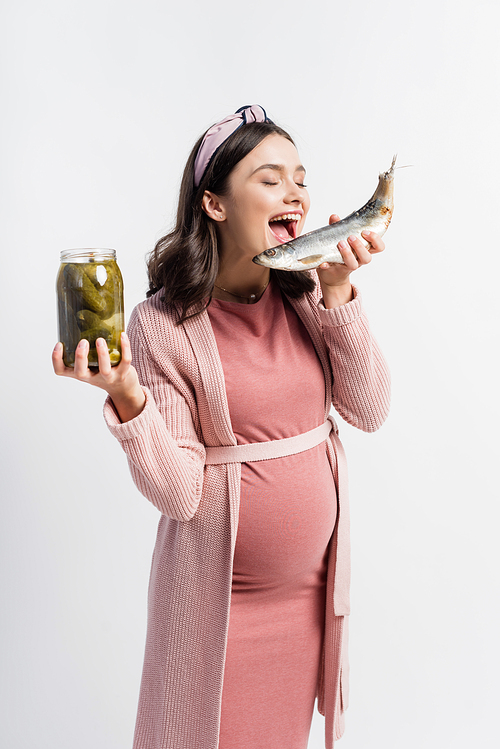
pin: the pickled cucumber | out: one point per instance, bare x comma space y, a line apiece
98, 273
78, 281
103, 277
88, 319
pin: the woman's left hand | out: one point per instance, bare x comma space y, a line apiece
334, 277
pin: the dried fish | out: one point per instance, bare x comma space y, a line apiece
320, 246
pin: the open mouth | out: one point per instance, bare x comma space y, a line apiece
284, 227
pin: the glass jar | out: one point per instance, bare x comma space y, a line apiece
90, 302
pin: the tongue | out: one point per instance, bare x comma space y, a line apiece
280, 231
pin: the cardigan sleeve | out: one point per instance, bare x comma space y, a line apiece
361, 380
165, 457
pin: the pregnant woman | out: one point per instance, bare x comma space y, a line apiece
221, 403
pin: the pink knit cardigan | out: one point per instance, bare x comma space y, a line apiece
190, 586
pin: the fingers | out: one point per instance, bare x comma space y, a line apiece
103, 359
333, 218
375, 241
126, 350
57, 360
80, 368
81, 359
108, 371
355, 253
119, 381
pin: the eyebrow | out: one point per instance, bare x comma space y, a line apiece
278, 168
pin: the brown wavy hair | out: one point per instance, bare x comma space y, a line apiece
185, 262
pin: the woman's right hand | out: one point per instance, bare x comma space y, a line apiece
120, 382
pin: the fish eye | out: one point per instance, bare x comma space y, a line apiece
270, 253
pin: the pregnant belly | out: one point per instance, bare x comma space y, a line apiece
287, 515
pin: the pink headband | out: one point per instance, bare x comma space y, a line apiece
220, 132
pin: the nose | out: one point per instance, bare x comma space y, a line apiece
294, 193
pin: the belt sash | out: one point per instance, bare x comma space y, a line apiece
255, 451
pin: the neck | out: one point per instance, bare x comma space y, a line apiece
240, 281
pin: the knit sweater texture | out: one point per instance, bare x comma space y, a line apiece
190, 586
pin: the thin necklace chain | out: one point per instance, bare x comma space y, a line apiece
250, 298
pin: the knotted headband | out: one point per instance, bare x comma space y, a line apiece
220, 132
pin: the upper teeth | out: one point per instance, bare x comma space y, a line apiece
287, 217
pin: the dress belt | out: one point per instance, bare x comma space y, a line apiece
255, 451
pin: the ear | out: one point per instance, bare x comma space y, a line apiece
212, 206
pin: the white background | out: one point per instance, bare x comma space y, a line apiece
101, 103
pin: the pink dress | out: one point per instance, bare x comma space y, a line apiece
275, 388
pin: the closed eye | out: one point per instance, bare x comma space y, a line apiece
299, 184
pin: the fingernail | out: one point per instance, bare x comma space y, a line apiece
100, 342
366, 233
352, 238
58, 346
343, 245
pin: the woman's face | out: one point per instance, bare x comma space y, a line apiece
267, 202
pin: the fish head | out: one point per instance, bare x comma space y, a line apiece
279, 258
298, 255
